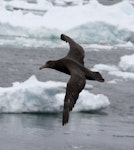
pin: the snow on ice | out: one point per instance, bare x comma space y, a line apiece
92, 23
45, 97
125, 68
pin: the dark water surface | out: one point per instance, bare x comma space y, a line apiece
85, 131
111, 129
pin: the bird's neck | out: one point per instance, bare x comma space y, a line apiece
59, 66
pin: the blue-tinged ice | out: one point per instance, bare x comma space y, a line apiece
124, 69
127, 63
92, 23
35, 96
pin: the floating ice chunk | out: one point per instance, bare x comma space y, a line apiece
125, 68
125, 75
88, 101
116, 71
114, 81
127, 63
35, 96
104, 67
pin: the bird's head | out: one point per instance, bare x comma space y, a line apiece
48, 64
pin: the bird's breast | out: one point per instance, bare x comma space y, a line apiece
62, 68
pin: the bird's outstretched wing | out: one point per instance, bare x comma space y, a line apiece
76, 52
74, 87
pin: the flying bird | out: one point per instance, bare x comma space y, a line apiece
73, 65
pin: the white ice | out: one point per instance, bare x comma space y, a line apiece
35, 96
125, 68
104, 67
59, 17
92, 23
125, 75
127, 63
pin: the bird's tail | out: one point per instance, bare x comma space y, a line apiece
98, 77
94, 76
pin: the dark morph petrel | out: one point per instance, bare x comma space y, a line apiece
73, 64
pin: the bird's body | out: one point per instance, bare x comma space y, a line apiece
73, 64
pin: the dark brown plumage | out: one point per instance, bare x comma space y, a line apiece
73, 64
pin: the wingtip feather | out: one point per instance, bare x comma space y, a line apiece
64, 37
65, 116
